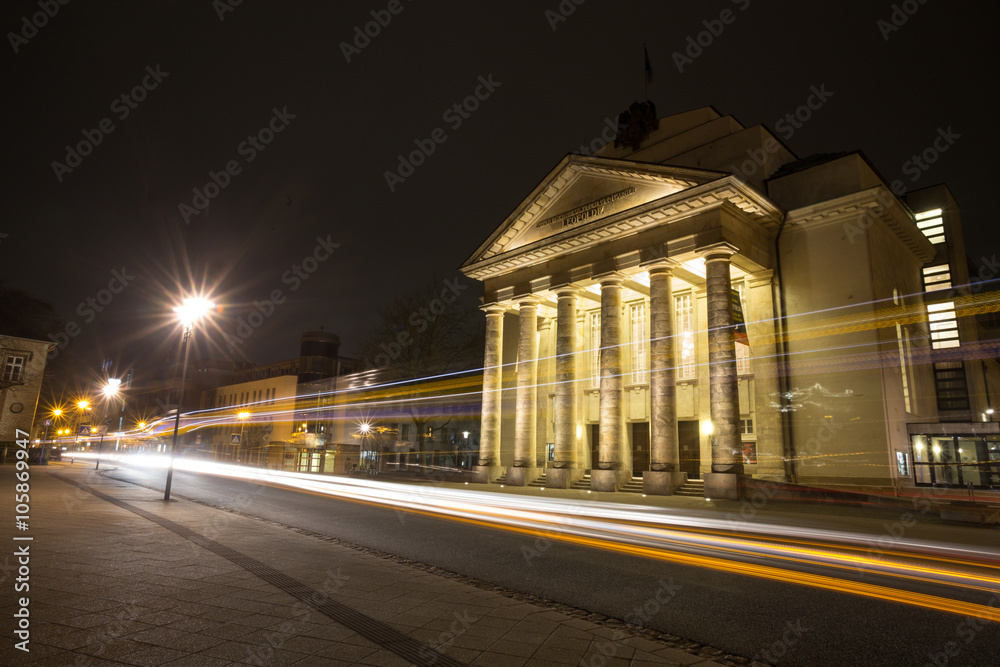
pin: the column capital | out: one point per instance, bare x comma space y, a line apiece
566, 289
493, 308
610, 278
717, 251
528, 301
544, 322
660, 266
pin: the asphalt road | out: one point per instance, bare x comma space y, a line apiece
773, 621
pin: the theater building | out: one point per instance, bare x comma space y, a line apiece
694, 301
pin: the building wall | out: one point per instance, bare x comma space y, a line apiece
22, 363
271, 402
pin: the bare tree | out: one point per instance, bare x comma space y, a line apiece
433, 329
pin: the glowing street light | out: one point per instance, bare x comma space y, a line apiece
110, 390
242, 415
189, 313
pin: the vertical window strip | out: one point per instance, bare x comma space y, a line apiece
637, 316
904, 375
742, 351
683, 316
595, 349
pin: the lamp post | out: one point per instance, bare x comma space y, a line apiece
110, 390
190, 313
242, 415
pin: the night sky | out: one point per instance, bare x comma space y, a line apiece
211, 76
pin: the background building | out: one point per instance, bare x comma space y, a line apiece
22, 361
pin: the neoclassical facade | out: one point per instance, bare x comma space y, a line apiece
701, 303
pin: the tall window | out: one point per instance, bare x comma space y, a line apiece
944, 325
742, 349
937, 277
637, 319
595, 349
905, 365
931, 224
13, 369
684, 321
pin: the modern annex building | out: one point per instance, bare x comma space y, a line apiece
695, 301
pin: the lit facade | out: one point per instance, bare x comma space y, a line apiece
614, 291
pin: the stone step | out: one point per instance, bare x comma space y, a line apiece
694, 488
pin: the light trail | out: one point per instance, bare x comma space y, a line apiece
691, 537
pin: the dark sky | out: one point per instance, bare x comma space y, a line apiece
323, 174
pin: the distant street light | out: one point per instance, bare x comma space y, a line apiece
189, 313
242, 415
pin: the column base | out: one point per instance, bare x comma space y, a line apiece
723, 485
609, 480
486, 474
562, 478
661, 482
523, 476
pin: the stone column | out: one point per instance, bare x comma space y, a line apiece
764, 350
489, 436
525, 467
663, 477
544, 388
727, 457
566, 468
609, 472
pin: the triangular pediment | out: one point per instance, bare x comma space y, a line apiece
582, 190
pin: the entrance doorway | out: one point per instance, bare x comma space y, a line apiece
640, 447
689, 446
595, 445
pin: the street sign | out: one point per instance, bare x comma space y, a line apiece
84, 429
234, 439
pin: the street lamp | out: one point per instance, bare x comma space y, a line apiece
242, 415
110, 390
189, 313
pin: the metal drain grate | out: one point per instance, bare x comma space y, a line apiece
371, 629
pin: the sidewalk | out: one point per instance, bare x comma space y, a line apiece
118, 577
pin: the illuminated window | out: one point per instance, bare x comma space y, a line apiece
637, 344
943, 325
937, 277
931, 224
595, 349
742, 349
905, 365
13, 369
684, 319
